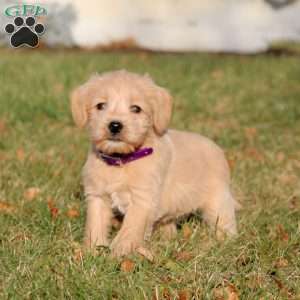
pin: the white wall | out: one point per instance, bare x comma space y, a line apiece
180, 25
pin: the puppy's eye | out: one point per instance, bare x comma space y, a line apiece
101, 106
135, 109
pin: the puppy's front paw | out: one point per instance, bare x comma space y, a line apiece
124, 244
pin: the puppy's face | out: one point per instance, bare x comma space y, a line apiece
120, 110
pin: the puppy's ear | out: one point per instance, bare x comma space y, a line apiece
78, 107
162, 110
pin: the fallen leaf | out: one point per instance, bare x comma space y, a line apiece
31, 193
3, 156
281, 262
184, 295
3, 126
186, 231
183, 256
281, 286
20, 154
73, 213
218, 293
282, 233
6, 207
127, 265
294, 203
228, 292
232, 292
287, 178
243, 260
250, 133
166, 279
78, 255
145, 253
255, 281
52, 208
253, 153
166, 294
231, 163
280, 156
54, 212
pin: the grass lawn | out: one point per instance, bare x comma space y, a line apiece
248, 105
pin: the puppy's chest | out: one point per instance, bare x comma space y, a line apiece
119, 196
120, 201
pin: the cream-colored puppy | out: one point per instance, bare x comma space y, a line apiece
150, 174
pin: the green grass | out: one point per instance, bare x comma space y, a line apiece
248, 105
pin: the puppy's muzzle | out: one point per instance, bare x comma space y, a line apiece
115, 127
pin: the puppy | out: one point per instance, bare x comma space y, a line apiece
136, 165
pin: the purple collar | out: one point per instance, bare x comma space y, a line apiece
122, 159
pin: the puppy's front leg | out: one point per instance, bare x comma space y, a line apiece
98, 221
131, 235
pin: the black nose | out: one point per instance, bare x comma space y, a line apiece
115, 127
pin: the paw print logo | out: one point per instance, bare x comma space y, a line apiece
24, 33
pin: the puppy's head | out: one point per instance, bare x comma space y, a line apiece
121, 110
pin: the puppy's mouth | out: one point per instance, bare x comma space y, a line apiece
114, 144
115, 139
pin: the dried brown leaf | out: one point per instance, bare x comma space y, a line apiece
127, 266
250, 133
294, 203
183, 256
231, 163
280, 156
20, 154
54, 211
3, 126
166, 294
73, 213
282, 233
218, 293
232, 292
254, 154
31, 193
282, 287
255, 281
287, 178
186, 231
281, 262
78, 255
228, 292
184, 295
6, 207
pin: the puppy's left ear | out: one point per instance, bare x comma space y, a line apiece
78, 107
162, 110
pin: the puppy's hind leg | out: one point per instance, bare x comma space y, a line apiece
219, 213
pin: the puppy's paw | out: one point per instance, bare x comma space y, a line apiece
124, 244
92, 246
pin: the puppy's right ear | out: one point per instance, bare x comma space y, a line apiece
79, 107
